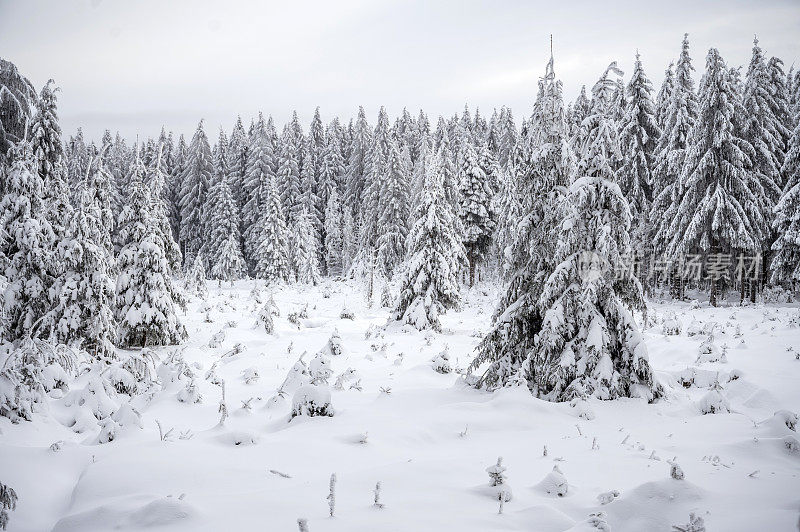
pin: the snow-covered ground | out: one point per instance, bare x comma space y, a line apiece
427, 437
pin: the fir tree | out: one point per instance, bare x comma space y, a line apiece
785, 265
357, 164
718, 212
429, 284
145, 302
393, 215
84, 294
272, 252
26, 241
589, 342
195, 181
334, 233
639, 135
665, 96
539, 184
476, 209
671, 155
223, 244
306, 263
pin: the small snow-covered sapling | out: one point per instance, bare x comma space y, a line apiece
377, 496
607, 496
544, 451
675, 470
332, 495
302, 525
695, 524
496, 476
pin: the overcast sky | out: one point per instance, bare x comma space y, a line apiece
134, 65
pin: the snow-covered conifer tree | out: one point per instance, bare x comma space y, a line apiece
306, 262
334, 233
84, 293
476, 213
429, 284
195, 180
541, 179
145, 301
589, 342
25, 247
223, 244
718, 212
785, 265
272, 252
393, 214
671, 154
639, 135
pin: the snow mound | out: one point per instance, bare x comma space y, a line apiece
130, 515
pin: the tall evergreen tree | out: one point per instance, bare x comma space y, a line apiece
539, 184
195, 180
785, 265
26, 243
429, 285
272, 253
306, 261
84, 294
224, 242
393, 212
476, 214
665, 96
639, 136
145, 301
718, 212
671, 156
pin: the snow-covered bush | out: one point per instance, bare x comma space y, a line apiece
8, 503
265, 318
675, 470
334, 346
346, 314
190, 394
672, 325
28, 372
695, 524
582, 408
195, 281
297, 376
348, 376
554, 483
320, 369
714, 402
441, 362
776, 294
312, 400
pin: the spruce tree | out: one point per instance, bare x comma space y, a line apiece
671, 155
785, 265
272, 252
357, 164
477, 218
539, 184
764, 132
664, 96
718, 212
195, 180
393, 204
334, 233
223, 245
159, 213
306, 262
639, 136
84, 293
145, 301
26, 243
429, 284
